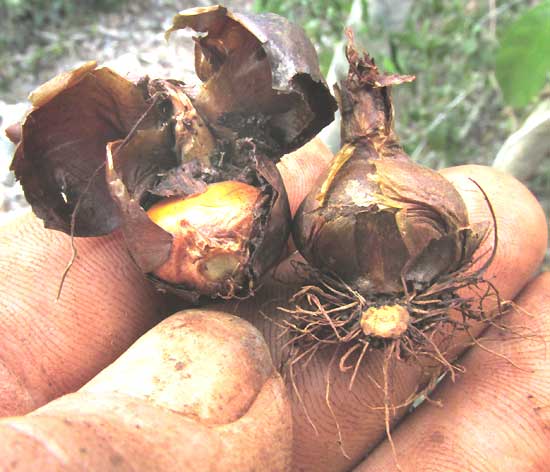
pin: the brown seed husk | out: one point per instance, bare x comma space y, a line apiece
98, 150
384, 221
377, 219
60, 157
143, 169
133, 186
389, 247
381, 231
261, 77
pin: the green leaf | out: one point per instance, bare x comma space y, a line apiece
523, 59
388, 65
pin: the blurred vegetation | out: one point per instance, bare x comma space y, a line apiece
523, 57
454, 112
31, 22
26, 16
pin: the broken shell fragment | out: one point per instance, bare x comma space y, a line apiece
163, 180
61, 157
260, 77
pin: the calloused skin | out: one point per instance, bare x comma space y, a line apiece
104, 379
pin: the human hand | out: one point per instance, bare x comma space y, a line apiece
199, 390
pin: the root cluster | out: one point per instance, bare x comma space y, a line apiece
328, 312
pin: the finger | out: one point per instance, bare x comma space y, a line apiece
49, 347
516, 257
14, 132
301, 169
198, 392
517, 254
356, 417
496, 417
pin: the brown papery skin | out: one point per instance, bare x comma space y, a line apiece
301, 169
210, 235
377, 219
379, 216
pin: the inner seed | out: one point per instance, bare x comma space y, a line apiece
210, 234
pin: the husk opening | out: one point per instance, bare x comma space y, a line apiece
97, 150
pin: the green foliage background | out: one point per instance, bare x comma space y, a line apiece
454, 113
523, 58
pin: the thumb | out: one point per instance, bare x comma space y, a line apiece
198, 392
